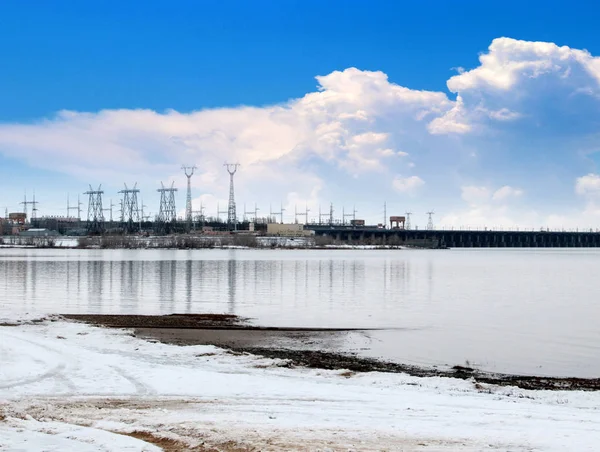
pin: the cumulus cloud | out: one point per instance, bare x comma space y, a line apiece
407, 184
588, 185
504, 114
489, 208
510, 60
338, 126
453, 121
506, 192
475, 195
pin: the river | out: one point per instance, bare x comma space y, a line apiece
532, 311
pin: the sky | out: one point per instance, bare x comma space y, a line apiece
485, 113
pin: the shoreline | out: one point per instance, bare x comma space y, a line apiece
234, 334
225, 247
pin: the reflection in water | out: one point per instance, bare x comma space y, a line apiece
188, 286
512, 302
303, 291
231, 281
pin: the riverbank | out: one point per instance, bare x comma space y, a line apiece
305, 347
198, 242
73, 386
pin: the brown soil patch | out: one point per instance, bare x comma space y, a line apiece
171, 445
336, 361
186, 321
160, 321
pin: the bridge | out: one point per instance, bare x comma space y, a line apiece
458, 238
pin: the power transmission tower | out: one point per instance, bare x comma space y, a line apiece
199, 216
255, 212
321, 215
95, 218
219, 212
167, 215
353, 215
326, 215
231, 214
25, 203
130, 212
110, 210
189, 172
280, 213
304, 214
76, 207
407, 221
430, 221
142, 218
33, 206
331, 214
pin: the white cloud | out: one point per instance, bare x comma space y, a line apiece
588, 185
368, 138
407, 184
487, 208
344, 125
506, 192
454, 121
504, 114
387, 152
480, 195
509, 60
475, 195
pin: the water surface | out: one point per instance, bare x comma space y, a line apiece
514, 310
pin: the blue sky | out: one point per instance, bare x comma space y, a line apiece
132, 74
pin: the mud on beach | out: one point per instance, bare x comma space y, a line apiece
293, 345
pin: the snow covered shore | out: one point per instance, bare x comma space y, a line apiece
69, 386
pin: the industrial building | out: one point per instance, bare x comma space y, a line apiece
288, 230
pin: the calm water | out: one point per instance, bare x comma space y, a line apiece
529, 311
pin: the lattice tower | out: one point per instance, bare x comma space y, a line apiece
130, 211
167, 214
95, 218
231, 214
407, 221
189, 172
430, 220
